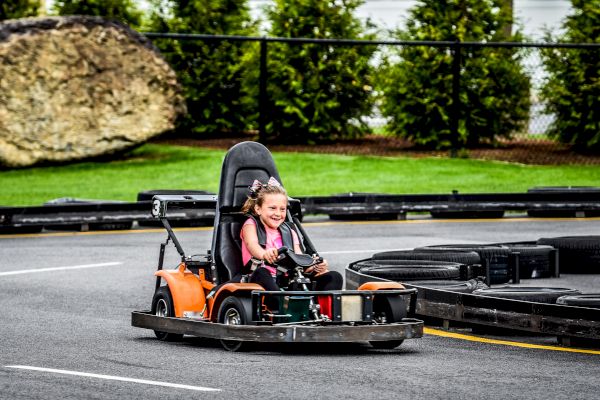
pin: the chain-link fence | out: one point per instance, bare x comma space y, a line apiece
530, 143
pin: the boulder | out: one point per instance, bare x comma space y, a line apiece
78, 87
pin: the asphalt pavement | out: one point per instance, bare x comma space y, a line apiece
65, 330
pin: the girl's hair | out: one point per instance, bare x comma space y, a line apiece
257, 197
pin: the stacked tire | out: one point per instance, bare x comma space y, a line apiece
576, 254
494, 257
548, 295
535, 260
440, 270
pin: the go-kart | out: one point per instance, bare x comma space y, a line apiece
209, 295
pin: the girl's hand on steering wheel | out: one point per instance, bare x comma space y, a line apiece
270, 256
320, 268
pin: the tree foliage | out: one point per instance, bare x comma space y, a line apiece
122, 10
12, 9
317, 92
572, 90
417, 81
211, 72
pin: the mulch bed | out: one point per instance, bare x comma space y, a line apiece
541, 152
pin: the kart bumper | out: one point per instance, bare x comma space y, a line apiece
408, 328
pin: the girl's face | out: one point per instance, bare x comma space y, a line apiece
273, 210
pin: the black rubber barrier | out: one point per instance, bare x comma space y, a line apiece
564, 321
106, 215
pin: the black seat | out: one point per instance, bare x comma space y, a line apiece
243, 163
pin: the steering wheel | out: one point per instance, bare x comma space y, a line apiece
289, 260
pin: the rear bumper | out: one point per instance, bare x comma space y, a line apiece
407, 329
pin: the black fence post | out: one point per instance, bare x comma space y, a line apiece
454, 122
262, 95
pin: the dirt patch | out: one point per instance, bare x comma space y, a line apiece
524, 151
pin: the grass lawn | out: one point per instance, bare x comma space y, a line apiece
172, 167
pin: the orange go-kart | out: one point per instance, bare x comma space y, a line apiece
208, 296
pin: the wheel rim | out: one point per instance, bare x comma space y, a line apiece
232, 317
161, 308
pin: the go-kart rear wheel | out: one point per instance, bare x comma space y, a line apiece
162, 306
387, 310
235, 311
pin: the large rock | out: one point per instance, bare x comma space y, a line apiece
79, 87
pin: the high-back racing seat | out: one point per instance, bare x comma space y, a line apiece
243, 163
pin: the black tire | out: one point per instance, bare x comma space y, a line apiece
388, 309
364, 217
534, 294
162, 305
576, 254
591, 300
534, 259
410, 270
495, 256
462, 214
563, 213
235, 311
452, 286
461, 257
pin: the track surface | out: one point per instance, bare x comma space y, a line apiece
70, 322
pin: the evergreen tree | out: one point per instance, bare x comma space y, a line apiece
317, 92
212, 72
417, 89
12, 9
572, 91
122, 10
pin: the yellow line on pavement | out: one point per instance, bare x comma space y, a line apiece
461, 336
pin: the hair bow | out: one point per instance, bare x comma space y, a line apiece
257, 185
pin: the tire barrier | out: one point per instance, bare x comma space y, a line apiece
477, 214
547, 295
348, 206
576, 254
590, 300
535, 261
461, 257
493, 314
410, 270
452, 286
564, 212
497, 260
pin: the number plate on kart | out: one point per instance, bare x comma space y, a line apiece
352, 308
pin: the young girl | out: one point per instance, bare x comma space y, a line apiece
267, 204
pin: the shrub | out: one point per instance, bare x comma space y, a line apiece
572, 90
211, 72
13, 9
122, 10
317, 92
417, 81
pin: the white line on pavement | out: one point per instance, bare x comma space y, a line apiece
114, 378
30, 271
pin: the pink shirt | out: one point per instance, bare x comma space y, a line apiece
274, 241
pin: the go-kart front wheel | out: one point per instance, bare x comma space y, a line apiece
162, 306
388, 309
235, 311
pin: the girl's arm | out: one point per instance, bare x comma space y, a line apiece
250, 238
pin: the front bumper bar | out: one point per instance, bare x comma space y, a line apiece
409, 328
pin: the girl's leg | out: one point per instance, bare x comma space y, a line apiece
263, 277
331, 280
